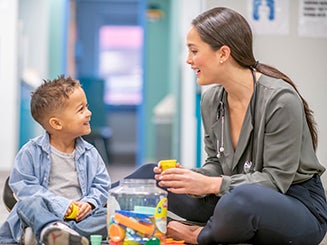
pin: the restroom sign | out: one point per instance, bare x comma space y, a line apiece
268, 16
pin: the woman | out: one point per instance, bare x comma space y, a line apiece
260, 183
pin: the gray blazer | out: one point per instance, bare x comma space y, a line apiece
282, 152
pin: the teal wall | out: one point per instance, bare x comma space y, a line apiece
58, 22
27, 126
48, 60
174, 73
161, 71
157, 75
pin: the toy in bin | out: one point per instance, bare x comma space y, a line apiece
137, 213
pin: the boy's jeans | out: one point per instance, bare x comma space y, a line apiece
36, 213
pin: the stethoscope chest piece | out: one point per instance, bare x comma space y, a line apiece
220, 150
247, 167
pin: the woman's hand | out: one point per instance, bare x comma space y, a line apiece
184, 181
157, 170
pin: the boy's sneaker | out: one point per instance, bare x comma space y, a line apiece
60, 234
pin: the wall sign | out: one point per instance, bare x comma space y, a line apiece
312, 18
269, 16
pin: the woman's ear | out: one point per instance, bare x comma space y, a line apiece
55, 123
223, 53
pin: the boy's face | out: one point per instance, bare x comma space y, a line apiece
76, 116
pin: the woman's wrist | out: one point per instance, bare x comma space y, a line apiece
215, 183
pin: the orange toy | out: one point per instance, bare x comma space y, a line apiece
126, 221
116, 233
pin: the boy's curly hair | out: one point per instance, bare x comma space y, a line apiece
51, 97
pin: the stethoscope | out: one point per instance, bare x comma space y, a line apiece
248, 165
221, 116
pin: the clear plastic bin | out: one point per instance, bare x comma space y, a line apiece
137, 213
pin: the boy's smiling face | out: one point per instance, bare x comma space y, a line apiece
75, 118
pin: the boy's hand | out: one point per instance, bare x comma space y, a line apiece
69, 210
83, 209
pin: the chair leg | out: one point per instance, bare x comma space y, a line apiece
8, 196
100, 144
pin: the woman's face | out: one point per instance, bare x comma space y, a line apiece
202, 58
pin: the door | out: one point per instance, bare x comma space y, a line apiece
110, 47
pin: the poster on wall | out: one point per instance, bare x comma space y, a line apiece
312, 18
268, 16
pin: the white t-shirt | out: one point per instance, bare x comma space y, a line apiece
63, 176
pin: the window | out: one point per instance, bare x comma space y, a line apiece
120, 64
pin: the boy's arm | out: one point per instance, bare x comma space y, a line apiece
98, 191
27, 179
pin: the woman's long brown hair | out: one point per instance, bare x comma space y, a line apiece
223, 26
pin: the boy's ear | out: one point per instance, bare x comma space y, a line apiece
55, 123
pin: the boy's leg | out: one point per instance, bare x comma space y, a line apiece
36, 213
60, 234
94, 223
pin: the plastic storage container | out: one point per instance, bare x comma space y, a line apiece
137, 213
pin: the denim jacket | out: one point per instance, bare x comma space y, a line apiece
30, 177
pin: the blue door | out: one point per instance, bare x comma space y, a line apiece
109, 48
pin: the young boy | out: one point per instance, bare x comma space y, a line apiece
60, 180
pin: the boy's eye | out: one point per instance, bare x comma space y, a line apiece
83, 107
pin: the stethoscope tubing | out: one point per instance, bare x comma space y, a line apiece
221, 116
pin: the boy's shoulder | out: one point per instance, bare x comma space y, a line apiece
40, 140
80, 142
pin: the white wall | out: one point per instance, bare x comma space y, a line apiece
23, 47
33, 38
303, 59
188, 10
8, 82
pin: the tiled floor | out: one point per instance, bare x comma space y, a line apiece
117, 171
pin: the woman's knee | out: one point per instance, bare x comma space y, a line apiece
143, 172
234, 212
240, 200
